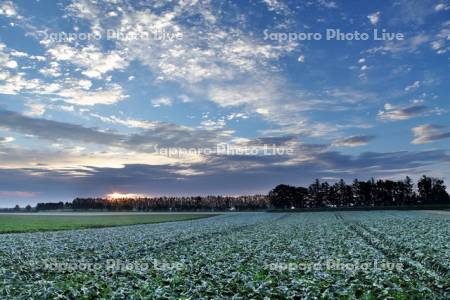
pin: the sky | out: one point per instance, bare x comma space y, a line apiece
188, 97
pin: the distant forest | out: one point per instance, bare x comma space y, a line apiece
364, 194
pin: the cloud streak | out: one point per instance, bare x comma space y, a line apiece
398, 113
54, 130
156, 133
428, 133
354, 141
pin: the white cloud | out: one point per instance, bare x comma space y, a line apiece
18, 54
85, 84
235, 116
213, 125
163, 101
412, 13
327, 3
219, 53
374, 18
38, 57
248, 93
70, 157
276, 6
5, 59
223, 64
12, 64
185, 98
262, 111
73, 91
108, 95
15, 83
112, 14
436, 45
416, 84
189, 172
131, 123
410, 44
88, 10
70, 90
441, 7
7, 139
62, 52
440, 43
52, 71
95, 62
202, 64
35, 109
8, 9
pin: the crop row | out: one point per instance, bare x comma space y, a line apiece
241, 256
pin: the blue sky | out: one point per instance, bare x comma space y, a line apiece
87, 113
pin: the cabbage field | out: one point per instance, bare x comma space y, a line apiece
346, 255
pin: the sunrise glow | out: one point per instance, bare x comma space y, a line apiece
115, 196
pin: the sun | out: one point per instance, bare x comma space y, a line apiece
115, 196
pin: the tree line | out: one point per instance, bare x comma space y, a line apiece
253, 202
370, 193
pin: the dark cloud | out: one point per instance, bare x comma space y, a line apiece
161, 134
375, 162
172, 135
354, 141
396, 113
54, 130
435, 137
428, 133
275, 140
229, 175
414, 110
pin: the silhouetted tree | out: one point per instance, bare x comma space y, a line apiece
315, 194
301, 196
369, 193
432, 190
282, 196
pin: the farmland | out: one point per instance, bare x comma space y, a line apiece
390, 254
10, 223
